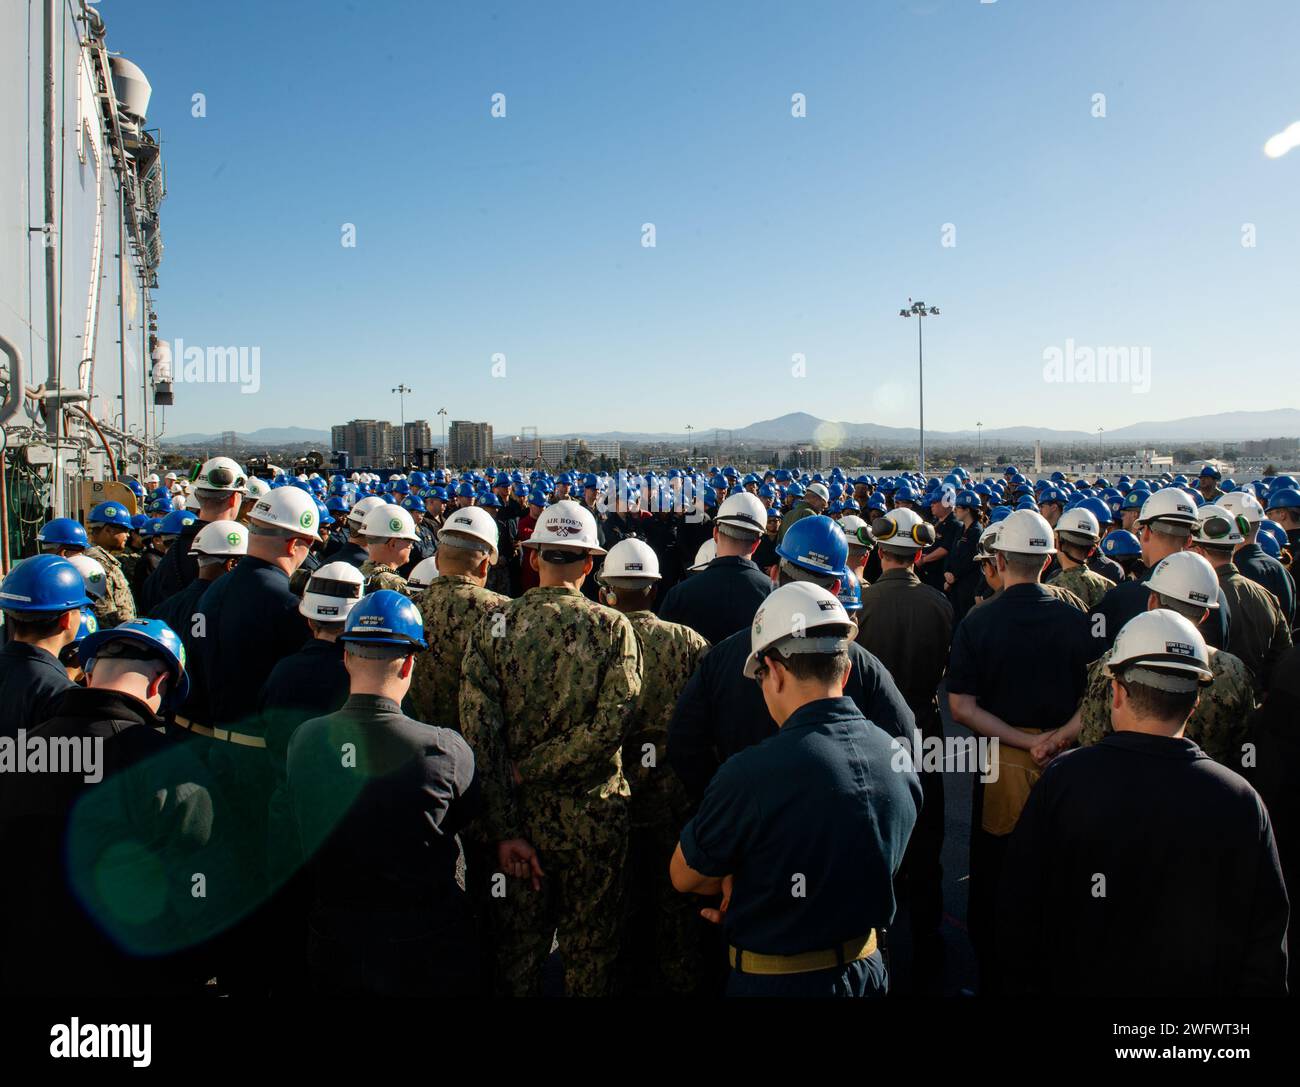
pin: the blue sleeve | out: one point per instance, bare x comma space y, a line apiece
715, 839
885, 706
691, 743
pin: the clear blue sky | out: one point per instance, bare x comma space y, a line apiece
775, 235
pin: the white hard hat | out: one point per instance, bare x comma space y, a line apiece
423, 573
1243, 504
475, 523
357, 514
1164, 649
566, 524
802, 618
744, 511
255, 487
221, 474
632, 559
856, 530
92, 573
1079, 522
707, 552
903, 530
152, 478
389, 522
1025, 533
1218, 527
987, 544
289, 508
1169, 504
819, 489
1188, 577
221, 538
332, 591
192, 502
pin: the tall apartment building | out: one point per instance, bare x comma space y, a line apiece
469, 443
418, 436
525, 450
369, 441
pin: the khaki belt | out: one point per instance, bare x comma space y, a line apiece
751, 962
242, 738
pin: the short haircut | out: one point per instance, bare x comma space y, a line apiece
322, 627
821, 667
1170, 528
1153, 703
630, 584
276, 532
36, 625
370, 651
788, 572
1023, 565
458, 560
206, 562
1192, 612
745, 535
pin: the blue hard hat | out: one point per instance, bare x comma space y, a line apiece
1100, 509
904, 493
1121, 545
1269, 545
137, 488
44, 584
816, 544
89, 624
1274, 531
877, 502
489, 501
1284, 498
63, 532
968, 500
999, 513
154, 635
110, 513
795, 490
1228, 486
385, 618
850, 593
175, 521
159, 503
338, 504
465, 490
413, 503
1027, 503
323, 515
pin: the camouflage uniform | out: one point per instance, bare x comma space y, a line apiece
117, 604
451, 608
660, 943
128, 560
1088, 586
379, 575
1218, 724
1068, 595
552, 693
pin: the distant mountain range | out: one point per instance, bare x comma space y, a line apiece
799, 426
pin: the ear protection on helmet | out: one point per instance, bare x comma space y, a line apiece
886, 528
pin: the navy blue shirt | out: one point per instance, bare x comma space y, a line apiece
251, 623
31, 681
1024, 655
812, 823
1129, 599
720, 712
720, 600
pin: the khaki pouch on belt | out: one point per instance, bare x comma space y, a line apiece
1005, 798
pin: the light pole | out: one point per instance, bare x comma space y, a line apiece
979, 431
442, 412
689, 428
1099, 430
920, 311
401, 391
